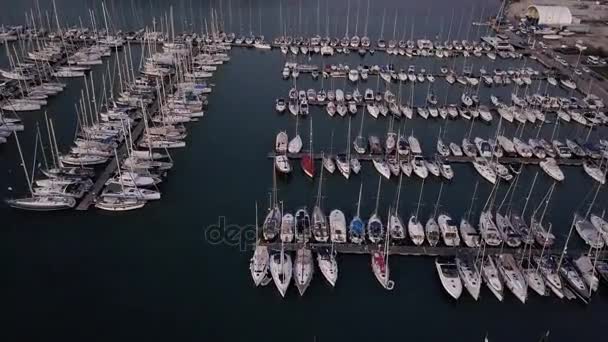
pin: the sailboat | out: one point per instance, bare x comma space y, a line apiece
380, 265
490, 275
281, 270
272, 222
467, 269
448, 274
287, 227
375, 228
319, 222
414, 226
359, 143
395, 224
258, 266
328, 265
470, 236
308, 163
512, 275
38, 203
295, 144
303, 269
343, 161
356, 228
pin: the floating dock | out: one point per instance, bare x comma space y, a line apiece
411, 250
110, 169
449, 159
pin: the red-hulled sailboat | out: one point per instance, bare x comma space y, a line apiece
308, 161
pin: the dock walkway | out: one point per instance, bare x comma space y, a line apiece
411, 250
450, 159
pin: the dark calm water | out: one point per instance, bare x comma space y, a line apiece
152, 274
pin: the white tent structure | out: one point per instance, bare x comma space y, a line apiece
550, 15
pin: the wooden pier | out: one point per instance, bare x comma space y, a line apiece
449, 159
412, 250
110, 169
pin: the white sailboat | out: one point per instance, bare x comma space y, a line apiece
490, 275
281, 270
512, 275
258, 266
467, 269
448, 275
303, 269
414, 227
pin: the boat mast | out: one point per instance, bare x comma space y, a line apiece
378, 195
359, 201
348, 140
565, 249
27, 177
523, 212
472, 201
318, 204
419, 198
382, 30
366, 19
357, 20
398, 194
347, 15
438, 198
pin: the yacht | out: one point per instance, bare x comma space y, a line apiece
287, 228
522, 148
508, 234
302, 226
456, 150
594, 171
469, 234
343, 165
491, 276
280, 105
381, 269
258, 265
295, 144
470, 276
442, 149
432, 167
448, 274
319, 225
110, 203
485, 170
548, 269
573, 280
328, 266
43, 203
328, 163
588, 232
415, 230
534, 278
272, 223
281, 269
468, 148
432, 231
549, 165
449, 230
382, 167
419, 167
600, 224
542, 236
512, 276
375, 229
303, 269
488, 230
337, 226
282, 164
356, 229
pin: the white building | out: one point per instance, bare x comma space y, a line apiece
550, 15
